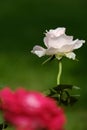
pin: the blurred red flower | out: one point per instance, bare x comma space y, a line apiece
30, 110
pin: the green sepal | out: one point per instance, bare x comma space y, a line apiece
49, 59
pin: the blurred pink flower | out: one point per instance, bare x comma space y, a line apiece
29, 110
58, 44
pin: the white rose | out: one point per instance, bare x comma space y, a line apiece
58, 44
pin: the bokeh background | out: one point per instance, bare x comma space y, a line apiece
22, 25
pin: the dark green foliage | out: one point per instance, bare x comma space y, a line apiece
3, 126
61, 94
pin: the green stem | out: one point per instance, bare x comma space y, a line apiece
59, 73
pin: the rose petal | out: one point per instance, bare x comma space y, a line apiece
51, 51
66, 48
56, 32
39, 51
70, 55
58, 42
78, 44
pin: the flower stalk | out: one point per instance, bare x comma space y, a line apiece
59, 73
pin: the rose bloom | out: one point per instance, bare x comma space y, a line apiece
29, 110
59, 44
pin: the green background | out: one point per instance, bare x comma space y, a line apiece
22, 25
